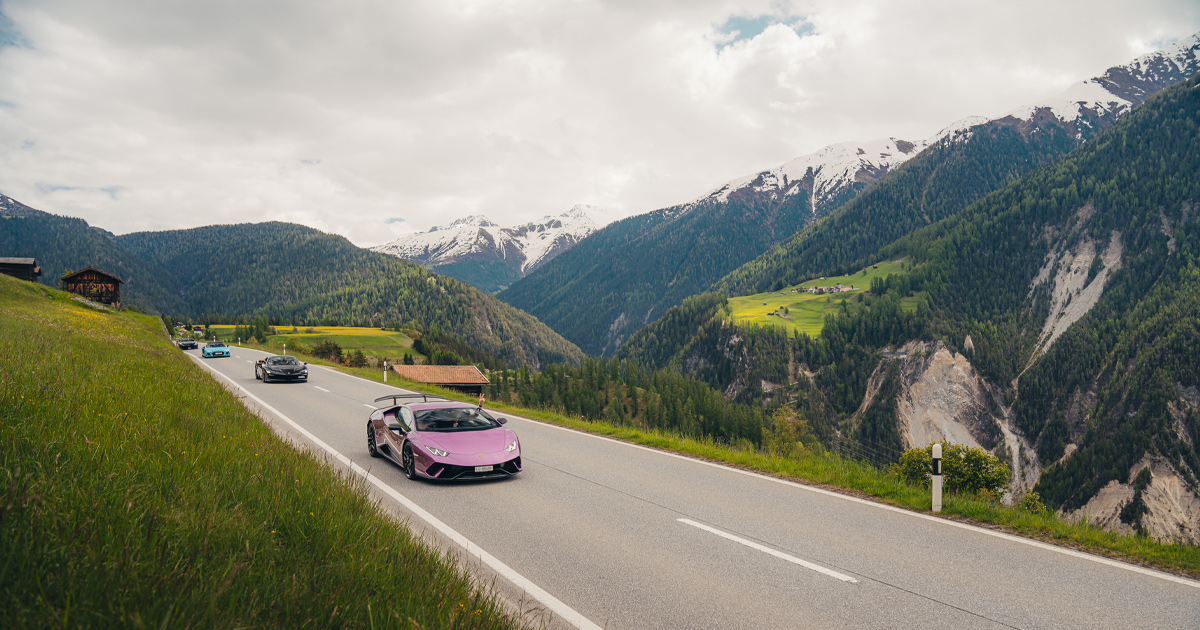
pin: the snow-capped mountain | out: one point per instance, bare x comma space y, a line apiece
834, 174
489, 256
1094, 104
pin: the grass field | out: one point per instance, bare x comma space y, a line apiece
806, 311
372, 341
137, 492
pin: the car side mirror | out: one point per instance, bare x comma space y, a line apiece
502, 420
396, 426
306, 363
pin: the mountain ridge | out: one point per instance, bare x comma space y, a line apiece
283, 272
489, 256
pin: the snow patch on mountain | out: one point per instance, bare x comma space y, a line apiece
832, 171
1120, 87
522, 247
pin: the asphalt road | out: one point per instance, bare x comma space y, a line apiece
629, 537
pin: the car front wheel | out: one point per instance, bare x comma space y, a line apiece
371, 447
408, 463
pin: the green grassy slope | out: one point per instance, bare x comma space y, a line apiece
372, 341
136, 492
798, 311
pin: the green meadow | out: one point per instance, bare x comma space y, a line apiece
372, 341
137, 492
798, 311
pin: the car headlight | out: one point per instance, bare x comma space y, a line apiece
511, 447
437, 451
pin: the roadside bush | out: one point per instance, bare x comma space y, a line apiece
965, 470
356, 359
1032, 502
328, 349
915, 466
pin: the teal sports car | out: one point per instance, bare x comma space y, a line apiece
215, 349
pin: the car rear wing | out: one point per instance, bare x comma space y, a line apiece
395, 398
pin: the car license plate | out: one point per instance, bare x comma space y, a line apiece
483, 469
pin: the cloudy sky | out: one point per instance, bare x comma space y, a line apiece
373, 118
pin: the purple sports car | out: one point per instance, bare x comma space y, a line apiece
441, 439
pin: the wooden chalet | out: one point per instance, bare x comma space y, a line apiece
94, 284
24, 268
464, 378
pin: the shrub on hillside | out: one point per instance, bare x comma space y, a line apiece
788, 434
965, 469
1032, 502
356, 359
915, 465
328, 349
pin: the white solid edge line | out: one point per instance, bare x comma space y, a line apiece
767, 550
891, 508
549, 601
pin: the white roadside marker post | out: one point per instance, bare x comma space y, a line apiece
385, 371
937, 477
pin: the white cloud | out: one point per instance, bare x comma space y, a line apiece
146, 115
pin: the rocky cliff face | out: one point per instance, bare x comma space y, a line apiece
1172, 510
943, 398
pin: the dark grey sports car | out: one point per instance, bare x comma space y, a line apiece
280, 367
187, 343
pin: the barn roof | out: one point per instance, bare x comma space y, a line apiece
8, 260
85, 269
442, 374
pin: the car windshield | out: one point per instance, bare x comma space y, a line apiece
216, 344
282, 361
455, 419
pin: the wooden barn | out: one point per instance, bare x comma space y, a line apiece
94, 284
24, 268
464, 378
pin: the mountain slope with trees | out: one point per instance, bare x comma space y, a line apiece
962, 168
282, 272
1077, 286
622, 277
64, 244
288, 272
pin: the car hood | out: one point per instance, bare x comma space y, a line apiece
468, 442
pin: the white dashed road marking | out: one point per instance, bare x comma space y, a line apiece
769, 551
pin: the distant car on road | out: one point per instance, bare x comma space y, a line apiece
280, 367
187, 343
215, 349
442, 439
